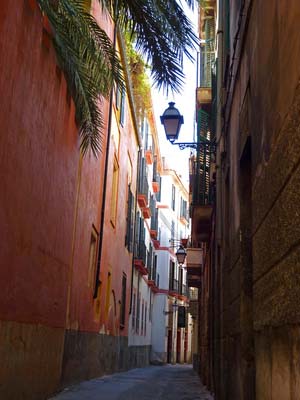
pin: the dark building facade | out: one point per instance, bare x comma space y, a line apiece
249, 313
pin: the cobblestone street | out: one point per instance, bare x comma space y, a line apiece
171, 382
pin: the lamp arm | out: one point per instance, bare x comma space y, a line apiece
194, 145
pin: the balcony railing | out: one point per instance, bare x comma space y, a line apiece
143, 187
200, 164
154, 220
206, 59
141, 252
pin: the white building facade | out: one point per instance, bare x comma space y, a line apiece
171, 323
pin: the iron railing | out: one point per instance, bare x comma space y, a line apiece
206, 55
200, 185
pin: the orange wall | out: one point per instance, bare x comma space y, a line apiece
49, 198
116, 257
38, 169
48, 203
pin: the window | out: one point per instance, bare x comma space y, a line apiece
173, 197
142, 327
146, 130
172, 229
145, 322
123, 301
129, 221
150, 307
122, 108
92, 257
153, 275
171, 275
138, 309
120, 104
133, 310
158, 195
180, 281
114, 194
149, 259
183, 208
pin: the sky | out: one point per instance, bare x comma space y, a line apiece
185, 102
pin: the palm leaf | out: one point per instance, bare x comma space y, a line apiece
163, 34
86, 55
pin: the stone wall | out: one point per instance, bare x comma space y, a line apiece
30, 360
259, 272
99, 354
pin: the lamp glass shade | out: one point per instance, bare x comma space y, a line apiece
172, 121
181, 255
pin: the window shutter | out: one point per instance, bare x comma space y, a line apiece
131, 223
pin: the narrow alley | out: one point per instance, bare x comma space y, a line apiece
150, 200
176, 382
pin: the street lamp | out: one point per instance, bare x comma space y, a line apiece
172, 121
181, 255
181, 252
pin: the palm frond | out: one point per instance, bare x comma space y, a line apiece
89, 61
163, 34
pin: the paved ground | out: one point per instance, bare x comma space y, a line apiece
170, 382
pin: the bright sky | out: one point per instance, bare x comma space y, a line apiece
185, 103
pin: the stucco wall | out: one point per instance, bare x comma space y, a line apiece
268, 67
38, 170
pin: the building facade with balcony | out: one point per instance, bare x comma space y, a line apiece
249, 319
202, 172
145, 279
171, 325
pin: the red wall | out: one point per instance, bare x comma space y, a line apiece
115, 255
49, 200
39, 171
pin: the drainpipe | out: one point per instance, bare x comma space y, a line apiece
101, 230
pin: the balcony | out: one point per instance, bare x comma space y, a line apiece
155, 177
153, 286
194, 281
154, 221
194, 267
146, 212
156, 244
149, 156
194, 261
143, 187
203, 96
201, 184
173, 287
155, 186
183, 292
143, 192
205, 57
140, 258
